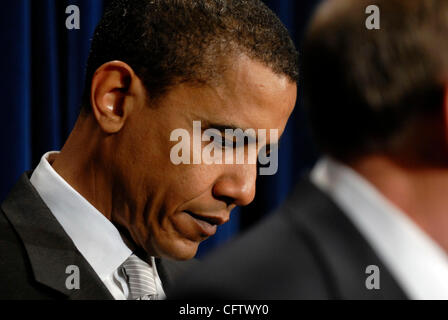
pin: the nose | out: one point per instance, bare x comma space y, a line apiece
237, 184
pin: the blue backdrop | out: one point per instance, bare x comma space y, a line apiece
42, 68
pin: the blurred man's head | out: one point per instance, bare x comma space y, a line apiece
156, 66
379, 92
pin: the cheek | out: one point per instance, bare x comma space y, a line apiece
194, 180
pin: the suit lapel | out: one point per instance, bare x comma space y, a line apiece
341, 248
49, 248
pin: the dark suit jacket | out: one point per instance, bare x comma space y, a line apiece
35, 252
306, 250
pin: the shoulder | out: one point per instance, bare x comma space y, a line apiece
307, 249
16, 274
13, 257
11, 249
17, 279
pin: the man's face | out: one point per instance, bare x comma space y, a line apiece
169, 209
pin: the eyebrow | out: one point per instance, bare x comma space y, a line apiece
222, 127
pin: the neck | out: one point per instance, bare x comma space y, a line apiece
80, 163
421, 193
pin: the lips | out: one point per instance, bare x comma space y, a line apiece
207, 225
198, 226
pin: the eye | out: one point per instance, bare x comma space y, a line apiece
224, 143
220, 138
221, 141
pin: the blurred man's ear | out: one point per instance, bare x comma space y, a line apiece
445, 111
443, 125
111, 95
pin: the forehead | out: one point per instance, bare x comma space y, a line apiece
250, 95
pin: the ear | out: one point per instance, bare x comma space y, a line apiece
110, 92
445, 111
444, 125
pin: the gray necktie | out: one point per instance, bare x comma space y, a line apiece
140, 278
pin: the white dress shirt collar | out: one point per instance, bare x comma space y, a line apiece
96, 238
415, 260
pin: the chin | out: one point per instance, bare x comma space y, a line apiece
180, 249
184, 256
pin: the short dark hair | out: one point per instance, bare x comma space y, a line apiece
167, 42
374, 91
